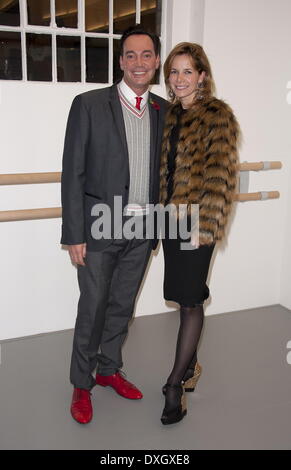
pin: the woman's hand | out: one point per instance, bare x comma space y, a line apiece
195, 239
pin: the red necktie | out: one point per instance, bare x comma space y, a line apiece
138, 100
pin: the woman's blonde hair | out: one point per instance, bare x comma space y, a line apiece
200, 63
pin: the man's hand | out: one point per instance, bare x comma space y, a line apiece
78, 253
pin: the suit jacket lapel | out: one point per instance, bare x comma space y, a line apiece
118, 117
155, 129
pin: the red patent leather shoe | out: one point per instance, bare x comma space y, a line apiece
81, 407
120, 384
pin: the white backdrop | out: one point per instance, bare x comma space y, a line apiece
248, 43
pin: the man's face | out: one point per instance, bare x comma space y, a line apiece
139, 62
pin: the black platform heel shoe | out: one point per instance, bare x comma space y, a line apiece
190, 378
175, 407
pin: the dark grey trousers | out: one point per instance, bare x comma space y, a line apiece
109, 284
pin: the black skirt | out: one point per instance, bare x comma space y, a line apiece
186, 272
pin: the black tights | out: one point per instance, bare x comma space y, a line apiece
191, 323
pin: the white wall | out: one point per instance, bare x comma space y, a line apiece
248, 44
39, 286
285, 297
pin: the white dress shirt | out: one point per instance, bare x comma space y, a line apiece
130, 95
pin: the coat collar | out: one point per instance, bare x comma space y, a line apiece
116, 110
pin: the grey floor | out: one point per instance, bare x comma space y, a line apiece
242, 401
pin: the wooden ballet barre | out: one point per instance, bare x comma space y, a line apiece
55, 177
30, 178
55, 212
31, 214
261, 195
256, 166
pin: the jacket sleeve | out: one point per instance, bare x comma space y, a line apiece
219, 174
73, 174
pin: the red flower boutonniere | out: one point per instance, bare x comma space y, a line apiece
154, 104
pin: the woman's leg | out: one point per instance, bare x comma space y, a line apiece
191, 323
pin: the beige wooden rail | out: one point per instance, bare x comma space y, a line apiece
54, 212
256, 166
55, 177
30, 178
31, 214
257, 196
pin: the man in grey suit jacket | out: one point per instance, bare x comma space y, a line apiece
112, 148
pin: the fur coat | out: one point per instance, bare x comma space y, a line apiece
206, 163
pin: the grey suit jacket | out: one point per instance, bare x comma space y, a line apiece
96, 164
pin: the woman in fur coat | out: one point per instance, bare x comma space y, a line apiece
198, 166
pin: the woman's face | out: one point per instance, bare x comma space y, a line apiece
184, 79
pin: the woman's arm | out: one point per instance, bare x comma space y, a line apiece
220, 171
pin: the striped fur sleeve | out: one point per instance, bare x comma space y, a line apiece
220, 171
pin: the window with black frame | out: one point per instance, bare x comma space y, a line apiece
69, 40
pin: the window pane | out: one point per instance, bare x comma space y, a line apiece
117, 73
39, 57
38, 12
10, 56
96, 60
151, 15
123, 15
9, 13
69, 58
97, 16
67, 13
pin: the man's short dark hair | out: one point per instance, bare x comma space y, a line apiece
137, 29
